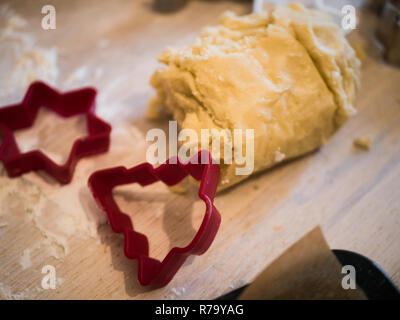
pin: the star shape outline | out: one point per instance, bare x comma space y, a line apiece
68, 104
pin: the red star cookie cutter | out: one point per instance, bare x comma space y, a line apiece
23, 115
136, 245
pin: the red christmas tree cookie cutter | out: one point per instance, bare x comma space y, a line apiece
23, 115
136, 245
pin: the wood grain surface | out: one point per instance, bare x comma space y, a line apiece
353, 194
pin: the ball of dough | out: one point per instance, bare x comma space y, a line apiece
289, 74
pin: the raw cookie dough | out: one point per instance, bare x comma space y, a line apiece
289, 74
363, 142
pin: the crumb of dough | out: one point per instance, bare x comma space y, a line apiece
287, 73
225, 181
363, 142
277, 228
360, 51
279, 156
179, 188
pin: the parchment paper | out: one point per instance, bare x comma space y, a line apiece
307, 270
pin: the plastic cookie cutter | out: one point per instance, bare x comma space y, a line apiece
23, 115
136, 245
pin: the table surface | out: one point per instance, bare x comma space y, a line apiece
353, 194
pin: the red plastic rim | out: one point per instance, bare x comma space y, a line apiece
136, 245
23, 115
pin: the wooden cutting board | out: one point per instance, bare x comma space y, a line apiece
353, 194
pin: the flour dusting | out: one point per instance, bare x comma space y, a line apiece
22, 60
